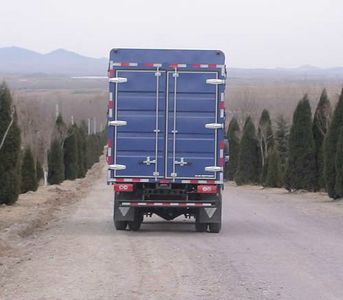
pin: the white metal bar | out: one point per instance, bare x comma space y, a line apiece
115, 128
174, 127
157, 118
166, 128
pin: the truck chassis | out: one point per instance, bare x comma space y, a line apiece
168, 201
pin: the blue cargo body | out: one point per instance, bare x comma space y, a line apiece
166, 115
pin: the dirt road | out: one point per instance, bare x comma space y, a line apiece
272, 246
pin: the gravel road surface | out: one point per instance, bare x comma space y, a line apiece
273, 245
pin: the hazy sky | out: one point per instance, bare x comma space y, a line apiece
252, 33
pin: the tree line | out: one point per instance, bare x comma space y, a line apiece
72, 152
306, 155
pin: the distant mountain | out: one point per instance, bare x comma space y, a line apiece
19, 60
22, 61
303, 72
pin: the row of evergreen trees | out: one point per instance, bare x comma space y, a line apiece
9, 149
309, 156
72, 152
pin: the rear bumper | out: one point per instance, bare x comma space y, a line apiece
162, 180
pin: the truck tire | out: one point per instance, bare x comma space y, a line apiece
120, 225
135, 225
200, 227
215, 227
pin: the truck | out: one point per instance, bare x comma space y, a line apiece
166, 122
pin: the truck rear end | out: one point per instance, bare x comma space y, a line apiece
166, 135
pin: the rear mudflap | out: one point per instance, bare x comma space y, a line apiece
124, 213
209, 214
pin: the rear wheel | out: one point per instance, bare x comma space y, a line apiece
120, 225
200, 227
215, 227
135, 225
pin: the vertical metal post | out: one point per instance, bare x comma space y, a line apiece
89, 126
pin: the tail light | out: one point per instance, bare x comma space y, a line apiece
123, 187
207, 189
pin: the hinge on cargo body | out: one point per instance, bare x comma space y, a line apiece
117, 167
214, 126
215, 81
118, 79
213, 169
117, 123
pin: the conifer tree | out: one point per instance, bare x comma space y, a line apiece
71, 154
84, 146
281, 138
339, 166
39, 171
273, 174
61, 129
248, 158
300, 172
233, 139
28, 172
321, 122
265, 140
330, 148
55, 162
9, 149
81, 145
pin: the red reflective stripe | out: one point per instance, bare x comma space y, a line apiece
222, 105
136, 180
111, 73
148, 65
120, 179
170, 204
221, 162
124, 64
221, 145
164, 181
194, 181
207, 189
110, 104
196, 66
173, 66
210, 181
123, 187
212, 66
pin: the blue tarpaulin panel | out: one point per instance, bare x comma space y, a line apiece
166, 101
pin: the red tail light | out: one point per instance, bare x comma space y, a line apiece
123, 187
207, 189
